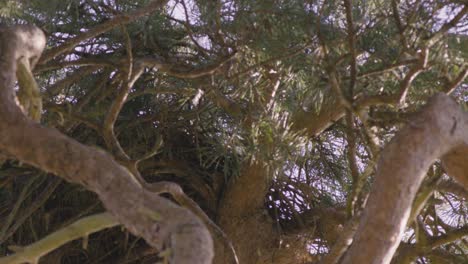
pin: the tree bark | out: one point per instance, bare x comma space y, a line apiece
160, 222
438, 131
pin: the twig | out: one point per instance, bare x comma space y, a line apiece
401, 29
352, 45
39, 201
101, 28
76, 76
452, 85
19, 201
446, 27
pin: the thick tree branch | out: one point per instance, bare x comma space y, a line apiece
407, 253
160, 222
178, 194
315, 123
439, 129
455, 163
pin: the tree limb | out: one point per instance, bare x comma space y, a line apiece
160, 222
439, 129
81, 228
101, 28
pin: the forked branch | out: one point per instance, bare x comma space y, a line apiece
160, 222
438, 132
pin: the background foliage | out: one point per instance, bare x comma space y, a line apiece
279, 56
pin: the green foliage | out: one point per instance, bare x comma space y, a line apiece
9, 8
212, 127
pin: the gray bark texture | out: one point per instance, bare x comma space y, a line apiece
160, 222
439, 131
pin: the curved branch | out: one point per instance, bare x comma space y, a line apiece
81, 228
101, 28
343, 242
160, 222
452, 187
439, 128
455, 163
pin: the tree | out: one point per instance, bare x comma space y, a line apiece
291, 131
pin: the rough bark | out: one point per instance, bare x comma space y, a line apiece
160, 222
243, 218
438, 131
315, 123
455, 162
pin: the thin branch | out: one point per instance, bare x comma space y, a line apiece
97, 88
101, 28
335, 86
401, 29
352, 163
157, 148
27, 212
449, 237
76, 76
189, 30
386, 68
423, 196
284, 55
452, 187
183, 71
181, 91
133, 73
13, 213
446, 27
452, 85
409, 252
343, 242
65, 111
128, 49
410, 76
352, 45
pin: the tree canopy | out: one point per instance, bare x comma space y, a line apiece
291, 131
